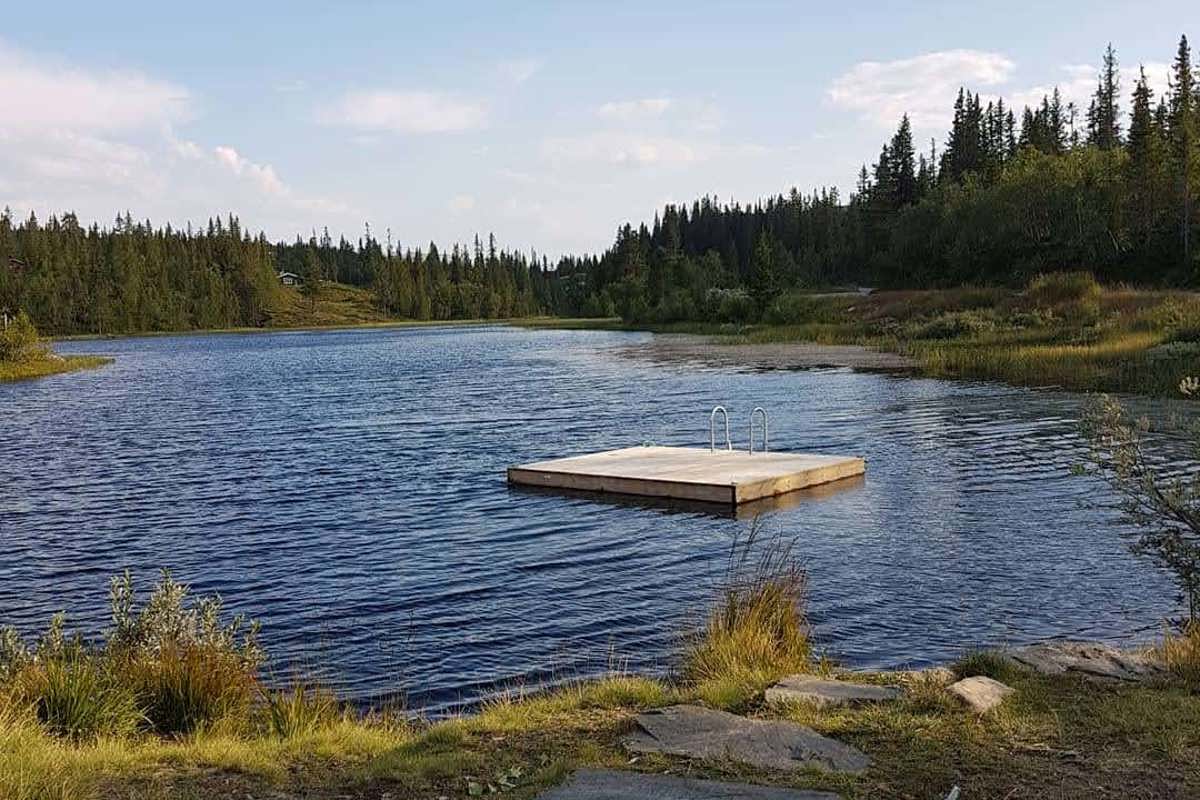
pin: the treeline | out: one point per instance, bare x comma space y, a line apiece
1007, 197
136, 277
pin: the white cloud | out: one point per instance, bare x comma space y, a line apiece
40, 96
461, 202
922, 87
629, 109
621, 149
400, 111
518, 70
626, 149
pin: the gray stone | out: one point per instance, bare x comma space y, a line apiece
697, 732
821, 692
1088, 659
980, 692
611, 784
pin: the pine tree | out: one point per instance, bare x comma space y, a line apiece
903, 167
1103, 116
1182, 111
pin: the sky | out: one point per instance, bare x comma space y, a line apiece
549, 124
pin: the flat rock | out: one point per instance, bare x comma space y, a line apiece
822, 692
980, 692
611, 784
1089, 659
697, 732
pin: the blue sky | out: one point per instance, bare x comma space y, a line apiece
549, 124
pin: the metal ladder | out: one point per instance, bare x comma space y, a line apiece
712, 429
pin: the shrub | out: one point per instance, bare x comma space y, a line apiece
1073, 296
172, 665
954, 324
731, 305
797, 308
757, 631
1161, 502
19, 341
187, 667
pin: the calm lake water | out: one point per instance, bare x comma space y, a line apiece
347, 488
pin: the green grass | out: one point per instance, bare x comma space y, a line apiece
43, 367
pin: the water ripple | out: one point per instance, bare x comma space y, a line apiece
347, 488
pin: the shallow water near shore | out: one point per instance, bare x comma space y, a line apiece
347, 488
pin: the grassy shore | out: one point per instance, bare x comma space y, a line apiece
51, 365
1062, 330
170, 707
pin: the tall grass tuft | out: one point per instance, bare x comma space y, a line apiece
757, 631
300, 710
77, 698
185, 688
1180, 654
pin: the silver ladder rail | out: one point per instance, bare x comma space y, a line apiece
765, 428
712, 430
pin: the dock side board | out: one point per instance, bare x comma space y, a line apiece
688, 473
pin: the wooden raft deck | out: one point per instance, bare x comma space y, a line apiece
688, 473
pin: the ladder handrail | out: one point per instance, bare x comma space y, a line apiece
766, 426
712, 430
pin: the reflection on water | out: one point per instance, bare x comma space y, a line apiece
348, 488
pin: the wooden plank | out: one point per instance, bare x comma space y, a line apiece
686, 473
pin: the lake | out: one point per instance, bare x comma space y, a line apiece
347, 488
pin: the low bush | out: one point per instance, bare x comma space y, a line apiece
797, 308
172, 666
1072, 296
731, 305
19, 340
953, 325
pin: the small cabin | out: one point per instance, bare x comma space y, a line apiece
290, 279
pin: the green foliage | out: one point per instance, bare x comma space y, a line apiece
1161, 503
19, 341
171, 665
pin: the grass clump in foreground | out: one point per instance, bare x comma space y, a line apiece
757, 631
1055, 737
23, 355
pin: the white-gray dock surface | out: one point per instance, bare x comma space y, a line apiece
688, 473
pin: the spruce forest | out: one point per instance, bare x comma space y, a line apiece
1112, 189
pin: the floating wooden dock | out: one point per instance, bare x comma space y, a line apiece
726, 476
